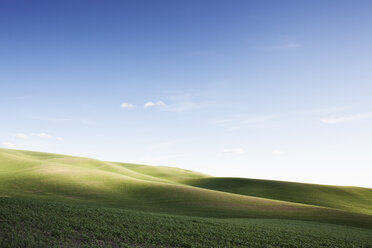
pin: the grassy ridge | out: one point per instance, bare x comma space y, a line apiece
353, 199
169, 174
68, 179
25, 223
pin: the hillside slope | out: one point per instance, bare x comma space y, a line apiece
55, 177
353, 199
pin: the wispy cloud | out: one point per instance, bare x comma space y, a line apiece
238, 123
21, 136
330, 110
154, 104
185, 102
60, 119
8, 145
42, 135
30, 140
178, 102
126, 105
182, 107
236, 150
347, 118
36, 135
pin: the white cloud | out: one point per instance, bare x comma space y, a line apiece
179, 102
149, 104
21, 135
42, 135
154, 104
8, 145
126, 105
237, 150
347, 118
278, 152
59, 138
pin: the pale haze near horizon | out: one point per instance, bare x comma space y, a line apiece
256, 89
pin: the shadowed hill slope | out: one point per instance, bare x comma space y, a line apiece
353, 199
55, 177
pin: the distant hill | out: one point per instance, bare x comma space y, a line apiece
68, 179
354, 199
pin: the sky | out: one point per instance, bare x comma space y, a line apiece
258, 89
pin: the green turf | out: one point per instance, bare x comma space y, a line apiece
30, 223
76, 180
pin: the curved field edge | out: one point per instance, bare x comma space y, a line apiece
53, 177
28, 223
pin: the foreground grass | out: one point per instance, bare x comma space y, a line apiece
27, 223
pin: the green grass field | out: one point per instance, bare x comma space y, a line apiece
25, 223
123, 205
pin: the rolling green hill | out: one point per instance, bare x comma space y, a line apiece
354, 199
68, 179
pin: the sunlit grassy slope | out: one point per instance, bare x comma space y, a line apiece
54, 177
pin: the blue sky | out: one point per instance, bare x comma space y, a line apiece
260, 89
